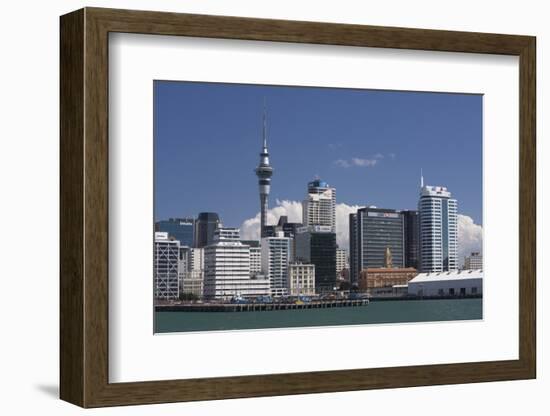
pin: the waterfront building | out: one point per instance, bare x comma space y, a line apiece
448, 284
191, 270
275, 258
319, 206
438, 229
255, 256
317, 245
412, 235
381, 280
165, 265
181, 229
196, 259
341, 263
474, 261
372, 231
301, 279
193, 283
353, 250
227, 268
264, 171
206, 225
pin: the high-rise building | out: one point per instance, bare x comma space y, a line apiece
438, 227
275, 260
317, 245
193, 279
206, 225
474, 261
301, 279
289, 230
181, 229
227, 268
353, 249
255, 256
341, 262
166, 266
319, 206
412, 235
264, 171
372, 232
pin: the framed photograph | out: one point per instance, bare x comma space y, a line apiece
255, 207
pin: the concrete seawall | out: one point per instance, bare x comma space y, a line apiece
254, 307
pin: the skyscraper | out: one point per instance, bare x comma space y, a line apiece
438, 229
372, 232
181, 229
319, 206
264, 171
275, 259
410, 225
207, 223
317, 245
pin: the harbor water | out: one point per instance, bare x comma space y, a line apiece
377, 312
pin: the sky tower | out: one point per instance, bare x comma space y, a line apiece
264, 172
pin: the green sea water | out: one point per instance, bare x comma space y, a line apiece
374, 313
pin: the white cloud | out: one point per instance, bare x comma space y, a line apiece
250, 228
342, 163
355, 161
342, 223
364, 162
470, 237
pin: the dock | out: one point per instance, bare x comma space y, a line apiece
257, 307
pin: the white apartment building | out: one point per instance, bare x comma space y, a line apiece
438, 227
227, 268
319, 206
255, 260
166, 267
342, 262
275, 257
301, 279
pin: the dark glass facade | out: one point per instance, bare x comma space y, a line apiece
206, 225
181, 229
412, 238
353, 249
318, 248
372, 231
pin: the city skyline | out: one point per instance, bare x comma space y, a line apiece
232, 192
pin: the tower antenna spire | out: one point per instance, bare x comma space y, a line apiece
421, 179
265, 128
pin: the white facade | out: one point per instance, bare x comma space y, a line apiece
227, 268
342, 262
275, 258
166, 267
319, 206
473, 261
196, 259
301, 279
453, 283
193, 282
438, 227
255, 261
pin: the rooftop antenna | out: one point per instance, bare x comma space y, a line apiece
421, 179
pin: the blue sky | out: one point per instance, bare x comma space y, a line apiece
370, 145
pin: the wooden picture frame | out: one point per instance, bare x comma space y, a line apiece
84, 207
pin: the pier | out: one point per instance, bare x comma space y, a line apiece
257, 307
